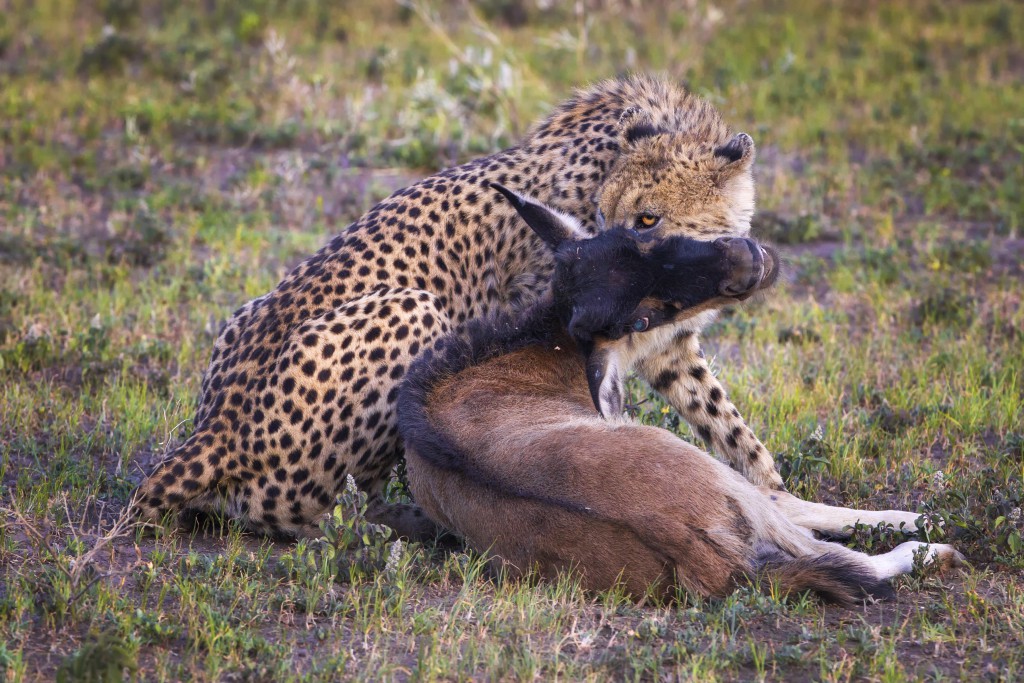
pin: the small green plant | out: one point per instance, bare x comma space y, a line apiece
798, 335
12, 663
34, 351
943, 306
879, 538
352, 548
806, 460
111, 53
105, 659
992, 522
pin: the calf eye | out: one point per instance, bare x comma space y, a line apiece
647, 220
640, 324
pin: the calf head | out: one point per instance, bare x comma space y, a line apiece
619, 287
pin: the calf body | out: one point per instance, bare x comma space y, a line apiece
505, 445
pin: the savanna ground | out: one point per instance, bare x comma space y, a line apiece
163, 162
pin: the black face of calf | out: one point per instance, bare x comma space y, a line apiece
614, 284
604, 282
617, 283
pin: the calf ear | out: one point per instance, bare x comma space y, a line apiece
554, 227
604, 377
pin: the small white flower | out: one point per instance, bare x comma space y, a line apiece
506, 76
1014, 515
939, 479
350, 485
36, 331
394, 558
131, 127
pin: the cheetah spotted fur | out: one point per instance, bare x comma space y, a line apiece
302, 382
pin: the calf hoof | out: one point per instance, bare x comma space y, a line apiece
938, 555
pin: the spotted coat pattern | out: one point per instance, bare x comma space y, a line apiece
302, 382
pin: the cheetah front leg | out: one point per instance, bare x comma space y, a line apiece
680, 374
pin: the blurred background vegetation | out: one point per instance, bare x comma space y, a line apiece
866, 107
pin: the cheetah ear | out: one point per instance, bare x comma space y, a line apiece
552, 226
635, 124
737, 154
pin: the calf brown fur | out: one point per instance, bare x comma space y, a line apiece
515, 438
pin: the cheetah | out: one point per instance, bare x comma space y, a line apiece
302, 383
504, 446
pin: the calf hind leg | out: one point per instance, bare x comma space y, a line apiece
837, 521
844, 576
900, 560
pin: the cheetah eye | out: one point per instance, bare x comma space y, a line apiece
640, 324
647, 220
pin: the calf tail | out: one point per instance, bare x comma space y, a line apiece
836, 577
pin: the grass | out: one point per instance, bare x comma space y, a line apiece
161, 163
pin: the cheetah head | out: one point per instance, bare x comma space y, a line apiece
620, 292
677, 183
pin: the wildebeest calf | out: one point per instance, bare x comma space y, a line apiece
505, 448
